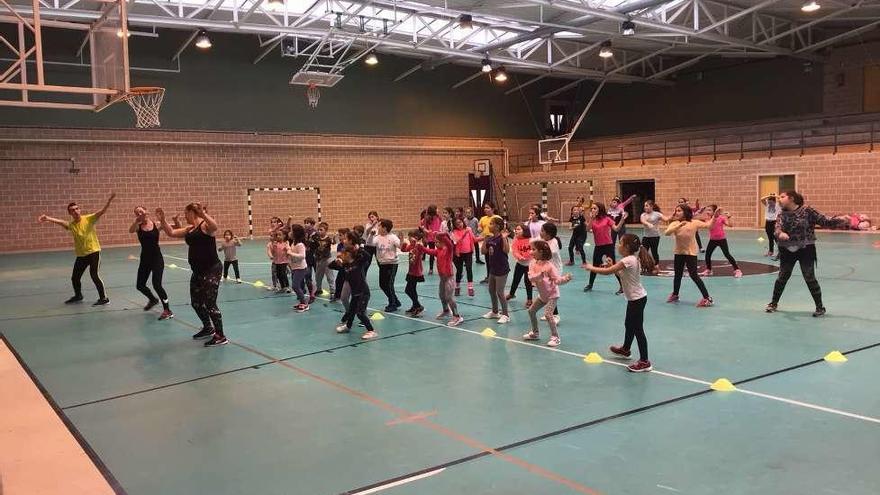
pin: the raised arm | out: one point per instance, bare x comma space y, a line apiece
100, 213
178, 232
673, 227
620, 223
627, 202
61, 223
134, 226
605, 270
210, 223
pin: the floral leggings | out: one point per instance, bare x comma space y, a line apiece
203, 288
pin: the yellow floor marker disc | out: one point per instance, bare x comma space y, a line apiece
835, 357
593, 358
488, 332
723, 385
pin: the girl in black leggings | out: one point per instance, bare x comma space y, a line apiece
602, 226
578, 234
206, 269
152, 262
684, 227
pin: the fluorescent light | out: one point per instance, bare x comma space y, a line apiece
811, 6
628, 28
371, 58
275, 5
500, 75
606, 52
466, 21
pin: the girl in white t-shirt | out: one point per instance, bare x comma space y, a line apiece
628, 270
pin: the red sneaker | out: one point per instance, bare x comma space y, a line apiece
471, 291
640, 366
705, 302
620, 351
167, 314
673, 298
458, 291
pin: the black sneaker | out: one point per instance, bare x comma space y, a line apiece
74, 299
150, 304
771, 308
819, 312
480, 262
588, 288
101, 302
216, 340
203, 334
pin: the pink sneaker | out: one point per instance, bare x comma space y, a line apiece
673, 298
705, 302
738, 273
706, 273
471, 291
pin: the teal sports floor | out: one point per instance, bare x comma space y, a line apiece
290, 407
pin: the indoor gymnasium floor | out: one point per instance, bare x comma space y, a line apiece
290, 407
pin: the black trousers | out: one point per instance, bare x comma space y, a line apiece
281, 275
577, 244
234, 265
521, 272
724, 249
770, 229
652, 244
699, 240
340, 281
358, 307
466, 261
92, 262
680, 262
371, 250
600, 252
634, 325
387, 274
152, 266
412, 292
431, 245
203, 289
806, 256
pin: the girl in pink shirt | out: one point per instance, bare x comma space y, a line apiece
602, 225
546, 278
444, 252
416, 249
277, 252
430, 225
464, 240
717, 238
521, 249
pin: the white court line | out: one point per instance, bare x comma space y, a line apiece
400, 482
614, 363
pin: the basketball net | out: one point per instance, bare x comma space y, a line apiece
146, 102
313, 94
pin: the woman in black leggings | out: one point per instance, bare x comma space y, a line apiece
207, 271
578, 234
152, 262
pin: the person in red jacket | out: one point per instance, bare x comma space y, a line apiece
415, 247
444, 252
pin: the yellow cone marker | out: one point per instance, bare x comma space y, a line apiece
761, 239
488, 332
324, 292
723, 385
259, 283
593, 358
377, 316
172, 265
835, 357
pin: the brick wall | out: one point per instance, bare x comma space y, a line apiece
396, 176
843, 183
844, 77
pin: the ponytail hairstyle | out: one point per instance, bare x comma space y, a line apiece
633, 246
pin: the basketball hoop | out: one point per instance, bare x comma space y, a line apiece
313, 94
145, 101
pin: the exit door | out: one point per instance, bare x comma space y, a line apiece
772, 184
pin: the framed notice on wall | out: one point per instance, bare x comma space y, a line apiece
872, 88
482, 167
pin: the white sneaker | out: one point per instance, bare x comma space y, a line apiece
544, 318
554, 342
503, 319
533, 335
369, 335
238, 280
455, 321
556, 319
737, 273
342, 328
491, 315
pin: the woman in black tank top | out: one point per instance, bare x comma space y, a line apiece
206, 269
152, 262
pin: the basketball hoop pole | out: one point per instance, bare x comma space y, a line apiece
584, 113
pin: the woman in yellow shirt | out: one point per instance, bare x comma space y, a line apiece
485, 231
86, 247
684, 227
